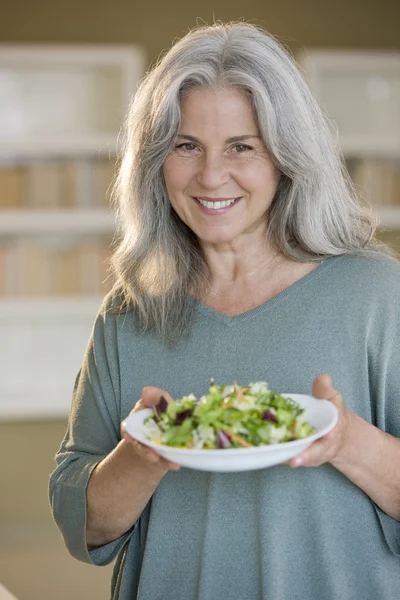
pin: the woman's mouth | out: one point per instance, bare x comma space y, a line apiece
216, 205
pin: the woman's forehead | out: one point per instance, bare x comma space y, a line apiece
220, 108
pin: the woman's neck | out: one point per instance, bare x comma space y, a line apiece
232, 266
241, 283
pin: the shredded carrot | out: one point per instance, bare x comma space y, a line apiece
240, 391
239, 440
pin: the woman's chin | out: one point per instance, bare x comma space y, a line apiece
217, 240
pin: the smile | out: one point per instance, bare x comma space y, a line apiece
216, 204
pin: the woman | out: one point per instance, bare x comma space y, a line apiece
244, 256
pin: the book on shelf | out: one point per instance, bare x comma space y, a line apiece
78, 183
42, 184
56, 267
95, 275
103, 179
3, 251
34, 272
70, 188
26, 270
72, 183
66, 271
11, 191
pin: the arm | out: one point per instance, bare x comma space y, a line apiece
96, 473
369, 457
123, 483
372, 461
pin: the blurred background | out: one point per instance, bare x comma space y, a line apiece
66, 72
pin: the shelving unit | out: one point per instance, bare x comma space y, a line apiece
57, 103
361, 94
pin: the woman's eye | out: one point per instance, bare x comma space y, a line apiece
240, 148
186, 146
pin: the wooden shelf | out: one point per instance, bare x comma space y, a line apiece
368, 146
30, 148
101, 221
23, 222
52, 306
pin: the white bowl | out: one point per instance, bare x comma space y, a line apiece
321, 414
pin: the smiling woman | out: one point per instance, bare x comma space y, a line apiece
235, 82
244, 256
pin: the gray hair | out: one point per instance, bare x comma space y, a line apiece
314, 214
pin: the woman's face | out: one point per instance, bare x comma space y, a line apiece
219, 177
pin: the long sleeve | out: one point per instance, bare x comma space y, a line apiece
93, 432
384, 369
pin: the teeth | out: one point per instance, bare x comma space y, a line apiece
218, 204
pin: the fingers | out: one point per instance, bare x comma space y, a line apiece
146, 453
324, 449
143, 451
140, 405
150, 397
318, 453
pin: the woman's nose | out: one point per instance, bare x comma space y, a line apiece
213, 172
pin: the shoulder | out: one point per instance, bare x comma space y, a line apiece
365, 288
106, 322
115, 303
367, 270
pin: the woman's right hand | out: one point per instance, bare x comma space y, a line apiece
123, 482
150, 397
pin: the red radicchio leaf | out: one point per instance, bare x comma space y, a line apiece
162, 405
180, 417
269, 416
223, 440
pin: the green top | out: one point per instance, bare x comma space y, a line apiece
271, 534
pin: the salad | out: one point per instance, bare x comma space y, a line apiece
229, 416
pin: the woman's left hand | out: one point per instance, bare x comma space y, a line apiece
328, 448
367, 456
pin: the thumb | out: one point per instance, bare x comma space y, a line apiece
152, 395
323, 389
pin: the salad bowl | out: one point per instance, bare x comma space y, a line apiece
322, 415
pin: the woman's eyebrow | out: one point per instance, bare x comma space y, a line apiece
236, 138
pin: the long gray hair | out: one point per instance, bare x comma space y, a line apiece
314, 214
